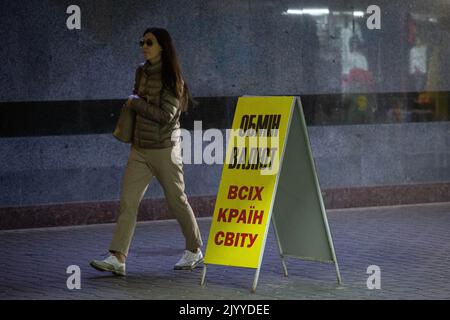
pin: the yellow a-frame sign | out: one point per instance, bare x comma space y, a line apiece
268, 175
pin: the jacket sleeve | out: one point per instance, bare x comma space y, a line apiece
162, 108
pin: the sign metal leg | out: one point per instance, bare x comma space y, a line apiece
255, 280
284, 266
202, 282
280, 249
338, 274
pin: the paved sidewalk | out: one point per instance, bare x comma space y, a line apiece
410, 244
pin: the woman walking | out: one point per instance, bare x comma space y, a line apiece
160, 95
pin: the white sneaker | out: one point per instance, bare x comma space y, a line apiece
189, 260
111, 264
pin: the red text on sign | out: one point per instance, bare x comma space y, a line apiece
240, 216
233, 239
244, 192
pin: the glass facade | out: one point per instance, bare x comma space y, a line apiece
351, 63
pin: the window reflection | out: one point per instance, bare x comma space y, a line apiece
416, 64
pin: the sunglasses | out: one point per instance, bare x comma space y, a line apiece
148, 42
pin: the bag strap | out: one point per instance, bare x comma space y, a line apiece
137, 79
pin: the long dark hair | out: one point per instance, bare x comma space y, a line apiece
172, 76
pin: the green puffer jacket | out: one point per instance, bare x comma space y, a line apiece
157, 109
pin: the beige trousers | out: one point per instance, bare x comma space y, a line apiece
166, 165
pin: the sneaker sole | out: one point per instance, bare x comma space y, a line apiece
189, 267
103, 269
